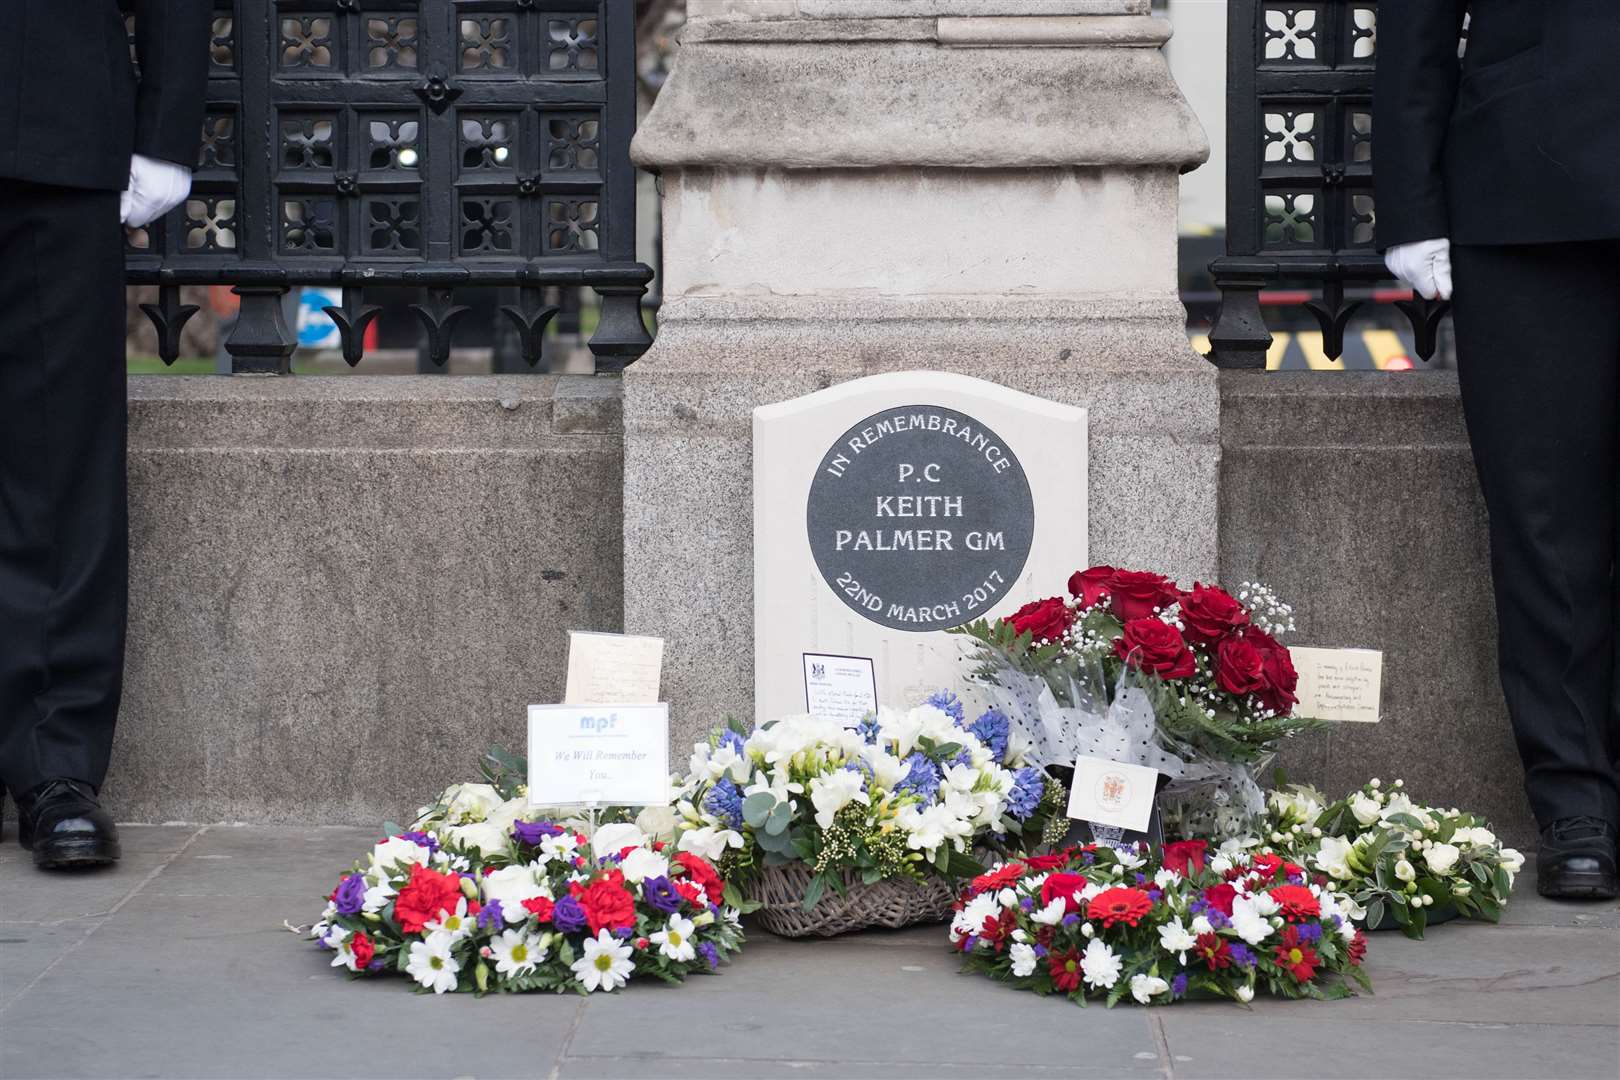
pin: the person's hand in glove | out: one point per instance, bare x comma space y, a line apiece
155, 188
1425, 265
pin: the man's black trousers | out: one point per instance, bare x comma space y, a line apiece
1538, 353
63, 517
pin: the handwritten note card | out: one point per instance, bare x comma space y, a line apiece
1339, 684
1111, 793
598, 755
842, 688
613, 668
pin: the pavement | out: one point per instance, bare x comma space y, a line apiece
176, 964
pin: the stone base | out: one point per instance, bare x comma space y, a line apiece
345, 589
1154, 419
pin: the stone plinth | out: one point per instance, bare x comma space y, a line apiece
976, 186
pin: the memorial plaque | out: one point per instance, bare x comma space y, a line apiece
892, 508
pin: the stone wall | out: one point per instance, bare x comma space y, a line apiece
1354, 495
344, 589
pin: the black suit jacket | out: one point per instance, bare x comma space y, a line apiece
71, 111
1519, 143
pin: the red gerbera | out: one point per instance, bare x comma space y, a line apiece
362, 948
1038, 863
997, 880
1064, 885
1065, 970
1266, 865
1297, 902
540, 907
996, 929
424, 896
700, 871
1185, 857
1358, 948
1119, 905
1220, 898
1213, 950
1296, 957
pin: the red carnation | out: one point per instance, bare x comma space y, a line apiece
1042, 620
1296, 957
424, 896
362, 948
1065, 970
1209, 614
1090, 586
1064, 885
1297, 902
1157, 647
540, 907
1240, 668
1185, 857
1220, 898
607, 906
693, 893
1266, 865
1213, 950
1358, 948
996, 880
1038, 863
1119, 905
1135, 594
704, 875
1280, 677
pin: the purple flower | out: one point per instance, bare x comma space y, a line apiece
1070, 919
660, 893
1042, 951
1028, 903
490, 916
1154, 895
947, 703
1334, 921
623, 931
1296, 879
375, 965
1028, 787
732, 739
971, 941
530, 833
1141, 878
922, 777
1309, 932
427, 840
725, 801
1088, 857
568, 916
351, 895
710, 953
1241, 954
1178, 985
992, 729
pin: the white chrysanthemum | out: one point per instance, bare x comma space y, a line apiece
1144, 988
1248, 922
675, 939
605, 963
517, 952
970, 920
1176, 939
1023, 960
1100, 964
431, 963
562, 846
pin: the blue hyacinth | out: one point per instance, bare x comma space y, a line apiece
923, 777
1028, 786
867, 729
947, 703
732, 739
724, 801
992, 729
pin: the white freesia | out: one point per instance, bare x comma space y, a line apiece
511, 885
1333, 858
431, 964
725, 761
517, 952
1442, 858
1144, 988
342, 942
709, 842
1405, 870
657, 823
397, 853
675, 939
1023, 960
643, 863
887, 770
1100, 964
834, 791
1245, 993
605, 963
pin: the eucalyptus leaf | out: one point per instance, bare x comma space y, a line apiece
757, 807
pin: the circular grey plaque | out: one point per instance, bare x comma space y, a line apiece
920, 518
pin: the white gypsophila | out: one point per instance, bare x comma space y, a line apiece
675, 939
483, 837
512, 885
431, 964
517, 952
1100, 965
464, 803
1442, 858
398, 853
1176, 939
605, 963
643, 863
657, 823
709, 842
614, 838
1023, 960
1248, 923
1144, 987
454, 922
970, 920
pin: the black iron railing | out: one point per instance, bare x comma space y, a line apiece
436, 144
1299, 197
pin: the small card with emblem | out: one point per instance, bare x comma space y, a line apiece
1114, 794
842, 688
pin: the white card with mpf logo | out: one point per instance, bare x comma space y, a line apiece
599, 755
842, 688
1110, 793
1345, 685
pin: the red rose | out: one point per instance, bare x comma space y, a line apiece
1209, 614
1240, 669
704, 875
1185, 857
1090, 586
1064, 885
1111, 906
1281, 679
1220, 898
1042, 620
1037, 863
1135, 594
540, 907
363, 949
424, 896
1297, 902
1157, 647
607, 905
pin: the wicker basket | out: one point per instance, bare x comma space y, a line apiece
890, 903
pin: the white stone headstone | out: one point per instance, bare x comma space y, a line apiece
891, 508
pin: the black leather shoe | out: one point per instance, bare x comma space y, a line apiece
63, 825
1576, 860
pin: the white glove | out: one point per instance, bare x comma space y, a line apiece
155, 188
1424, 265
